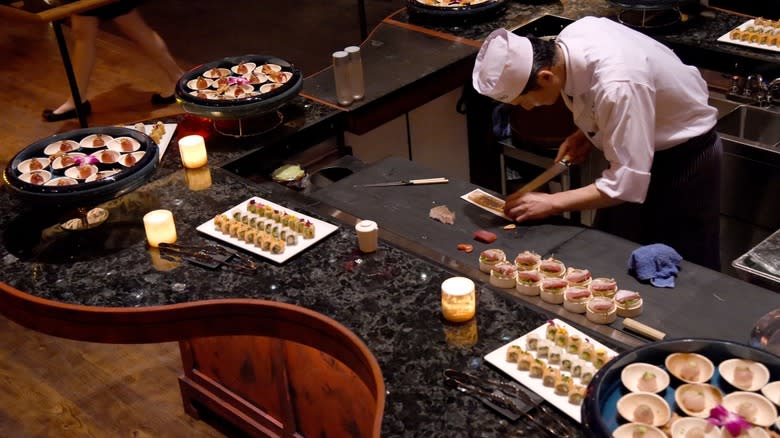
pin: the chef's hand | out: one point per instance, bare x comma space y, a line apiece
528, 206
576, 146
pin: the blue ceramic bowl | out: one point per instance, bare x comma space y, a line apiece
599, 409
239, 108
128, 179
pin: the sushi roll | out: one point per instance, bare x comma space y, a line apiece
536, 370
587, 374
567, 361
577, 394
578, 277
527, 261
277, 247
575, 298
574, 344
513, 353
234, 228
550, 330
503, 275
576, 367
524, 361
601, 310
285, 220
552, 268
249, 235
237, 215
308, 230
489, 257
252, 206
529, 282
561, 336
564, 386
543, 348
267, 242
603, 287
531, 341
600, 358
554, 355
550, 376
292, 239
552, 290
587, 351
628, 303
276, 215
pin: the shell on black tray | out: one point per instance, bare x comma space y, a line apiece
82, 171
62, 146
268, 68
243, 68
32, 164
129, 160
106, 156
200, 83
66, 160
281, 77
124, 145
103, 174
216, 72
265, 88
239, 91
61, 181
95, 141
255, 78
36, 177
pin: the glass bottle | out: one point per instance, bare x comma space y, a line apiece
341, 77
356, 72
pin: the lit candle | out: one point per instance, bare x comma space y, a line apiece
159, 227
192, 149
458, 299
198, 179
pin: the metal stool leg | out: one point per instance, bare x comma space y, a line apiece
74, 87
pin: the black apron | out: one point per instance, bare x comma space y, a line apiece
682, 207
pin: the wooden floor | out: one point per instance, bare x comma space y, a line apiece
60, 388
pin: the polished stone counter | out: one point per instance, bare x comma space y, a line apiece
390, 299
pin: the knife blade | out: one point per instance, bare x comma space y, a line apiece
407, 182
556, 169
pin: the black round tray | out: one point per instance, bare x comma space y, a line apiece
244, 107
128, 179
599, 412
454, 14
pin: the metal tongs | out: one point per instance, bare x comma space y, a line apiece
211, 256
501, 394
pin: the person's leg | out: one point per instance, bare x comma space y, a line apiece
84, 31
134, 26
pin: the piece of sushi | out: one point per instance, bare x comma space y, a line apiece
578, 277
603, 287
489, 257
601, 310
552, 268
527, 261
552, 290
575, 298
513, 353
628, 303
576, 395
524, 361
529, 283
550, 376
503, 275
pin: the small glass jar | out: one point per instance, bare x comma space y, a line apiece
357, 87
458, 299
341, 77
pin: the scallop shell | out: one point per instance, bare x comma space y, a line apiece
281, 77
684, 425
772, 392
727, 369
61, 181
94, 217
631, 401
268, 68
129, 160
32, 164
199, 83
627, 431
215, 73
765, 411
243, 68
205, 94
256, 78
712, 397
632, 374
61, 146
239, 91
36, 177
102, 175
124, 144
81, 172
95, 141
66, 160
676, 364
265, 88
106, 156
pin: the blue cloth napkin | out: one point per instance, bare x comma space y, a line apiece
658, 263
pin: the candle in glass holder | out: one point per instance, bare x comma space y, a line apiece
192, 149
458, 299
159, 227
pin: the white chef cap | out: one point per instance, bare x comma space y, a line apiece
503, 66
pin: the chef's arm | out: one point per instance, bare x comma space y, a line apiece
583, 198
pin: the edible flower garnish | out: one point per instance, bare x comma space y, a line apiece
80, 161
720, 416
233, 80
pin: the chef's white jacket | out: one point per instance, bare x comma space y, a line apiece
632, 96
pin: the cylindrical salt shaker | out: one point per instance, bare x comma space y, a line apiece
341, 76
356, 72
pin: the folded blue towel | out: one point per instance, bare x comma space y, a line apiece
658, 263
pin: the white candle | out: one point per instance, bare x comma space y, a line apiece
159, 227
368, 236
198, 179
192, 149
458, 299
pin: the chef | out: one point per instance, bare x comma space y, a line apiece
633, 99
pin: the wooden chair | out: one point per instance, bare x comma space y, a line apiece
267, 368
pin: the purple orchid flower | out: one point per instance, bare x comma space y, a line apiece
735, 424
80, 161
233, 80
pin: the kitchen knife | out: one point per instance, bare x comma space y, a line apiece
556, 169
406, 182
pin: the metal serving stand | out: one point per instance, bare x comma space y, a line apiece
761, 265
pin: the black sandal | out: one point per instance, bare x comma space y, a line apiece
158, 99
51, 116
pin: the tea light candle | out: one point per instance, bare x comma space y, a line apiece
198, 179
368, 236
192, 149
159, 227
458, 299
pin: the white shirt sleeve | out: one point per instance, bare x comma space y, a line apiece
626, 117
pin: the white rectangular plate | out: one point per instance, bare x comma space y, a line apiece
170, 128
498, 359
481, 193
321, 229
725, 39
